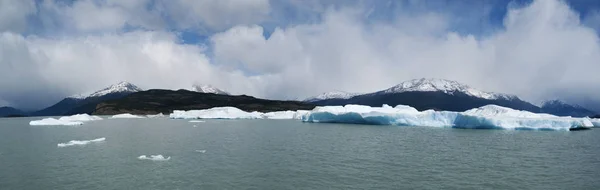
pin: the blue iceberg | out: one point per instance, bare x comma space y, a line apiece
485, 117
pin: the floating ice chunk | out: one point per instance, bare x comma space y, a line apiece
126, 116
156, 115
201, 151
81, 142
485, 117
52, 121
66, 120
215, 113
595, 122
285, 114
154, 157
80, 117
197, 121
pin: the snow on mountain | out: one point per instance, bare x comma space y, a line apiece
121, 87
208, 89
331, 95
443, 85
558, 103
561, 108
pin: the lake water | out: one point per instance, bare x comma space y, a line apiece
285, 154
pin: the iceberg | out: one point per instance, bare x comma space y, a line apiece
156, 115
154, 157
66, 120
81, 142
485, 117
126, 116
196, 121
52, 121
285, 114
235, 113
80, 117
215, 113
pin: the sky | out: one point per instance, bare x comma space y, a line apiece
292, 49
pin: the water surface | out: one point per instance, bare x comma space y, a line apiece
286, 154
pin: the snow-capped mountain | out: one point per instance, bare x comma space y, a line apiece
446, 86
438, 94
561, 108
208, 89
121, 87
331, 95
77, 104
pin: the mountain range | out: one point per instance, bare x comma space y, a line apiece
87, 103
441, 94
11, 112
423, 94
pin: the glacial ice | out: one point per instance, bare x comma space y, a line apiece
485, 117
285, 114
80, 142
154, 157
126, 116
215, 113
66, 120
156, 115
52, 121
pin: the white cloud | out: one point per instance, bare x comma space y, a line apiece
14, 13
542, 51
216, 14
41, 71
101, 15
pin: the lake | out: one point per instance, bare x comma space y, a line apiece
289, 154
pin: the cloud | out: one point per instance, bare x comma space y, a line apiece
14, 13
39, 71
541, 50
216, 14
100, 15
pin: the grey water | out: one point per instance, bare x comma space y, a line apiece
287, 154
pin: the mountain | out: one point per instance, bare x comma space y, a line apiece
11, 112
165, 101
560, 108
87, 103
437, 94
208, 89
331, 95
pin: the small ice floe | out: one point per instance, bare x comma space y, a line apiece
126, 116
201, 151
154, 157
197, 121
81, 142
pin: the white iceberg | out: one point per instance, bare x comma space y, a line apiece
66, 120
154, 157
80, 117
215, 113
52, 121
81, 142
595, 122
197, 121
485, 117
285, 114
156, 115
126, 116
